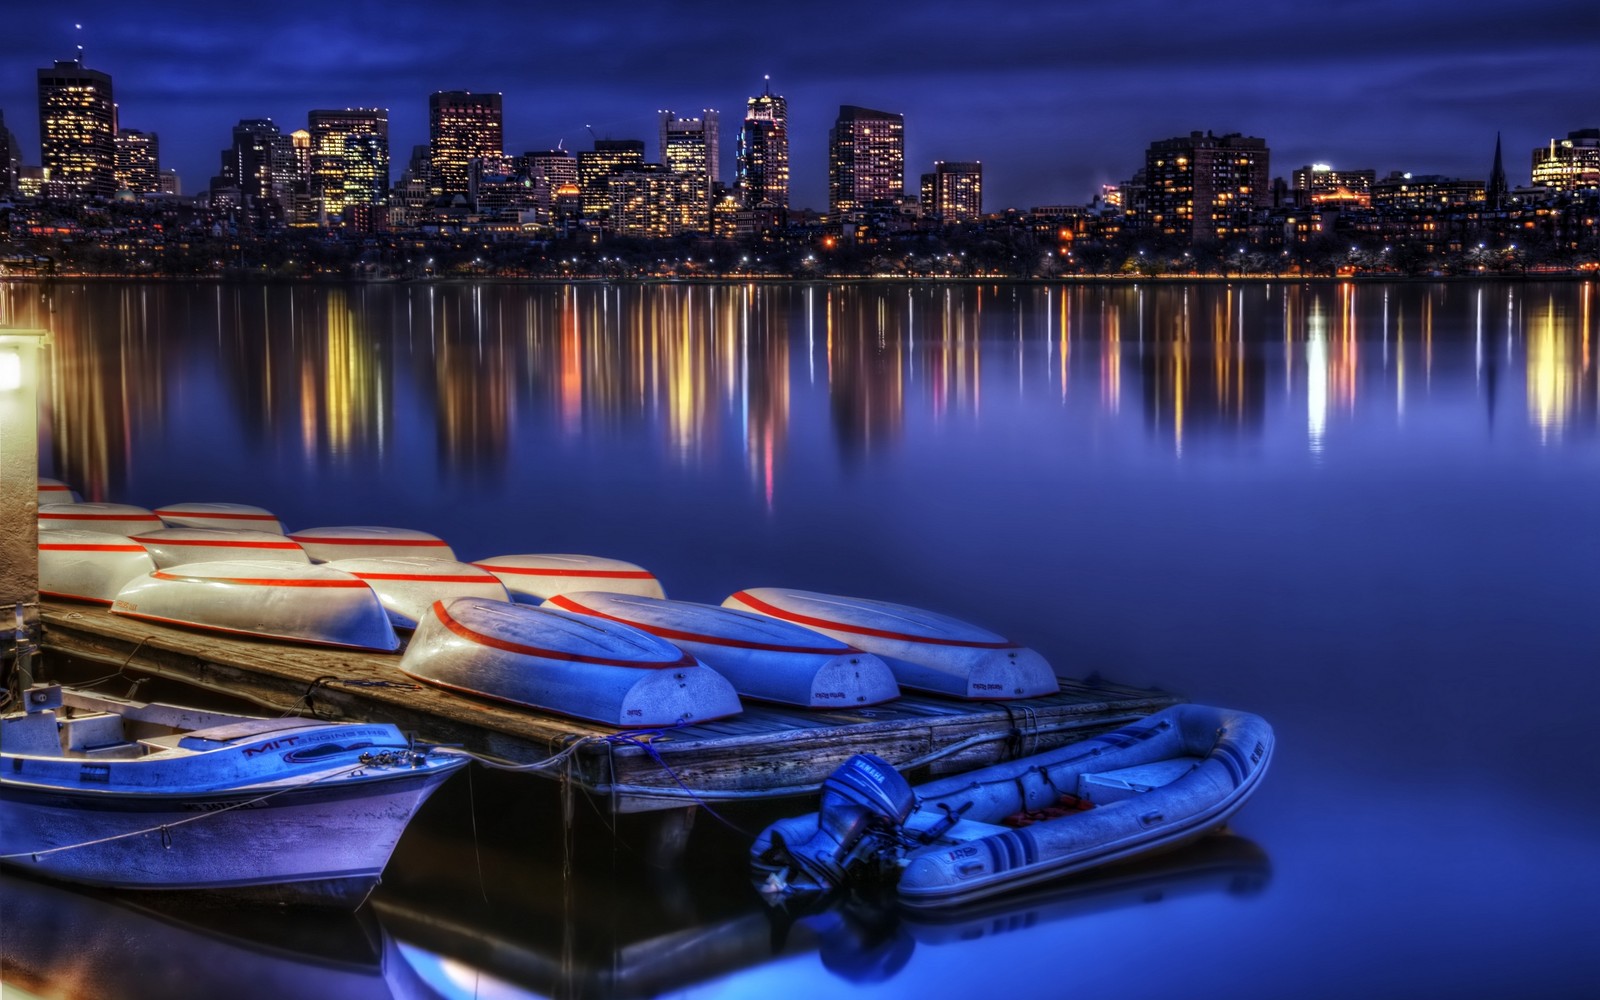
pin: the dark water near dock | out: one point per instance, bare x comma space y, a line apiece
1365, 512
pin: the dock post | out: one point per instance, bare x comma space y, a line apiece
19, 503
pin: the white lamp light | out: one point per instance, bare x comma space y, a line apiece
10, 369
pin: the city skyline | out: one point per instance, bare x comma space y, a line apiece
1053, 102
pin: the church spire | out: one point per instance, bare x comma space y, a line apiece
1496, 192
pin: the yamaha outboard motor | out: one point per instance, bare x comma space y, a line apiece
864, 804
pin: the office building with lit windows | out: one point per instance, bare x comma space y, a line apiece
866, 161
763, 156
596, 166
549, 171
1320, 186
1203, 186
691, 148
78, 129
462, 127
954, 191
138, 161
1569, 164
349, 159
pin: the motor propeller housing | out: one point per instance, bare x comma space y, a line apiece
864, 804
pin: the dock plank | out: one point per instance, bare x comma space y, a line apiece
765, 751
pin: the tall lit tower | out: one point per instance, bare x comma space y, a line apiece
692, 148
866, 160
349, 158
462, 127
1204, 186
78, 128
954, 191
763, 162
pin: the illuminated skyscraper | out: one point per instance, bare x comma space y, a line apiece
1204, 186
138, 161
691, 148
78, 129
1569, 164
763, 162
866, 161
596, 166
549, 171
261, 164
349, 159
954, 191
462, 127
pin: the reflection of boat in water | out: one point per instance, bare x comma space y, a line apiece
868, 938
1164, 781
132, 795
88, 944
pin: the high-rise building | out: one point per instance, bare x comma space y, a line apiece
648, 201
1569, 164
78, 129
691, 148
1318, 185
138, 161
763, 161
1203, 186
866, 161
169, 181
549, 171
595, 166
10, 158
954, 191
349, 159
462, 127
261, 165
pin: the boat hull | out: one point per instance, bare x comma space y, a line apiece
568, 664
534, 578
219, 515
407, 588
178, 546
110, 518
269, 600
89, 565
370, 542
762, 657
320, 846
925, 650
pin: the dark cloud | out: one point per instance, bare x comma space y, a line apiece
1055, 98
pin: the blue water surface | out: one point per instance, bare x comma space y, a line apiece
1365, 512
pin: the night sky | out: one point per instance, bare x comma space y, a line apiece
1055, 98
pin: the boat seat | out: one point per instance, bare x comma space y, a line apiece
1104, 787
93, 732
34, 734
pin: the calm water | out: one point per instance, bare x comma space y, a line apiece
1365, 512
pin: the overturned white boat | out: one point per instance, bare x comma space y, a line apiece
370, 542
269, 600
926, 650
176, 546
89, 565
763, 657
219, 515
129, 795
532, 578
111, 518
1161, 782
407, 587
560, 662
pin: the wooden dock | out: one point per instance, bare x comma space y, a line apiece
766, 751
